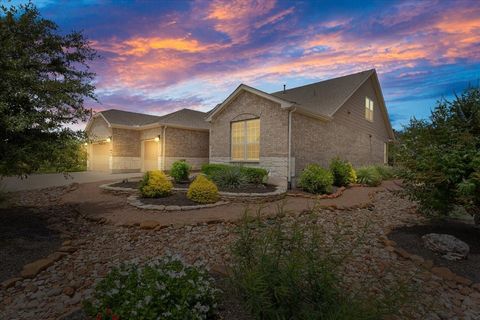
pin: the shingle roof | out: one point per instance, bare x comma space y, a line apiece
184, 117
325, 97
128, 118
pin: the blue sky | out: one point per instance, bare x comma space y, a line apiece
161, 56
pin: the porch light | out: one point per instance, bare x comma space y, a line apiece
85, 144
108, 139
157, 139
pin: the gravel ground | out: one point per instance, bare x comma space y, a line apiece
100, 247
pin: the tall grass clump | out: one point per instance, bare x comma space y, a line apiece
288, 270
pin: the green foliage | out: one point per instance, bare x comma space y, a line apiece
315, 179
202, 190
74, 155
441, 157
44, 82
287, 269
180, 170
369, 175
226, 176
166, 288
155, 184
343, 172
386, 172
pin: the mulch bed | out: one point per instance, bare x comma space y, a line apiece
301, 191
409, 238
24, 237
136, 185
251, 188
175, 199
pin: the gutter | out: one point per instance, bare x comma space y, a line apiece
289, 173
163, 147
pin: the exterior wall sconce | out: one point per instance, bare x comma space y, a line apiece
157, 139
85, 144
109, 139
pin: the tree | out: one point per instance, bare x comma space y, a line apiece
44, 81
442, 156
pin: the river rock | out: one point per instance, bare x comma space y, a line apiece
447, 245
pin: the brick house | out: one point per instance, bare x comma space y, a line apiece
281, 131
286, 130
122, 141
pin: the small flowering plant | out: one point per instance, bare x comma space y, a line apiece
166, 288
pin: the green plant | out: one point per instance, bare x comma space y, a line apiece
165, 288
369, 175
287, 269
180, 170
441, 157
155, 184
387, 172
227, 176
202, 190
343, 172
315, 179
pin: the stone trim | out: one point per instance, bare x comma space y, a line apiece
441, 272
135, 201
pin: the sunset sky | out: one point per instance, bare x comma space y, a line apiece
161, 56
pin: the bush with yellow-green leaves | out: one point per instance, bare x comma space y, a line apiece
202, 190
155, 184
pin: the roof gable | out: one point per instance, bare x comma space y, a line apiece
324, 98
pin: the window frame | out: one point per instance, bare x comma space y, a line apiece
369, 108
245, 141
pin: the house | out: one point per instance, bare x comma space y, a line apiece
286, 130
281, 131
121, 141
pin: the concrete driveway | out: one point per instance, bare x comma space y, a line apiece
40, 181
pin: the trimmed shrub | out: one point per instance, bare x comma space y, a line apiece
180, 170
166, 288
202, 190
227, 176
315, 179
369, 176
155, 184
343, 172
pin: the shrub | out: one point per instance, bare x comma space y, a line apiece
155, 184
343, 172
441, 156
180, 170
315, 179
287, 269
369, 175
386, 172
166, 288
202, 190
226, 176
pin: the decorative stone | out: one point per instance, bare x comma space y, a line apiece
444, 273
447, 245
32, 269
69, 291
148, 224
10, 282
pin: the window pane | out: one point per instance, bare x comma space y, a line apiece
238, 140
253, 139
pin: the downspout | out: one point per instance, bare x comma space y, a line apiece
163, 147
289, 173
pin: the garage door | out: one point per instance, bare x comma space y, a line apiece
150, 156
100, 157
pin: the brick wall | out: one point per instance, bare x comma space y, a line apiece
125, 143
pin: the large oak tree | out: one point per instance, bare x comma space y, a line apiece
44, 82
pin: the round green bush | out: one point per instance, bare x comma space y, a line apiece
180, 171
165, 288
315, 179
343, 172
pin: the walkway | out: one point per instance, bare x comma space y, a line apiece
91, 201
41, 181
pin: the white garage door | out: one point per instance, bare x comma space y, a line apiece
150, 156
100, 157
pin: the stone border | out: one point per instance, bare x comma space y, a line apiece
337, 194
135, 201
442, 272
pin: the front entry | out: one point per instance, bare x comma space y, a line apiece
150, 155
